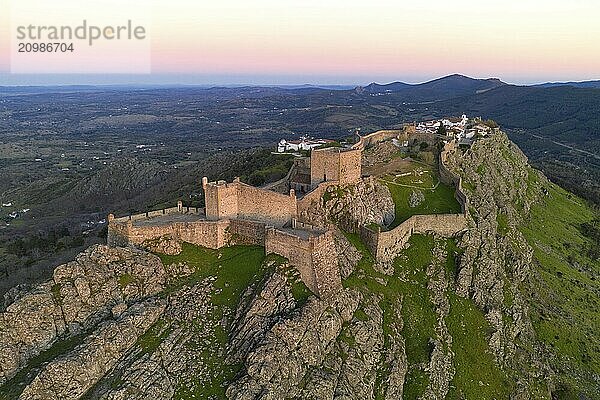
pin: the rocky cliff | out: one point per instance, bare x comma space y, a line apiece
480, 316
351, 206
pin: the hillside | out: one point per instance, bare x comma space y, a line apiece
582, 84
508, 309
68, 213
438, 89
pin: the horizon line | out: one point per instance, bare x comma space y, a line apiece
232, 83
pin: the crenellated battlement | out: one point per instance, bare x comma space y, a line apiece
237, 213
237, 200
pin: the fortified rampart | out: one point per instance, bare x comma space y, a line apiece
384, 245
136, 229
237, 213
335, 164
450, 178
383, 135
314, 256
238, 200
309, 250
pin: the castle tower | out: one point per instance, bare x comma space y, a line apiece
335, 164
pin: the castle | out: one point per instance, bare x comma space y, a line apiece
237, 213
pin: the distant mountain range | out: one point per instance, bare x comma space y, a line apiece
557, 124
456, 85
447, 87
583, 84
438, 89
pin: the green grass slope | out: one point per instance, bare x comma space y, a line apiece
477, 376
565, 294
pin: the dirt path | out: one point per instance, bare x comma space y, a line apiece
396, 164
416, 187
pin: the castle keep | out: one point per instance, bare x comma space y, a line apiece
237, 213
238, 200
335, 164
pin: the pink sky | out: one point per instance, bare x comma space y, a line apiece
518, 41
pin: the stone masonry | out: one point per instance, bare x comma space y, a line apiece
238, 200
385, 244
335, 164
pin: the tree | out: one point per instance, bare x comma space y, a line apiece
441, 129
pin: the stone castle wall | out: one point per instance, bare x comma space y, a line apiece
384, 245
376, 137
450, 178
237, 213
120, 230
247, 232
266, 206
350, 166
335, 164
238, 200
211, 234
325, 264
315, 258
311, 251
118, 233
180, 209
296, 250
383, 135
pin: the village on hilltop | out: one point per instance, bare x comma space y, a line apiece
462, 129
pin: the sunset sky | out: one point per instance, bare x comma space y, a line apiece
348, 42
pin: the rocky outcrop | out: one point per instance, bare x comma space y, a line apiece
497, 259
292, 347
416, 198
348, 256
102, 276
352, 206
257, 313
169, 355
440, 368
325, 351
151, 332
29, 326
71, 376
166, 244
363, 352
82, 293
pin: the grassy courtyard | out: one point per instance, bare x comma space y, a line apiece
417, 177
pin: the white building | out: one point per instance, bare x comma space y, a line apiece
305, 143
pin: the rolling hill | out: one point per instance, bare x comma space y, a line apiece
438, 89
